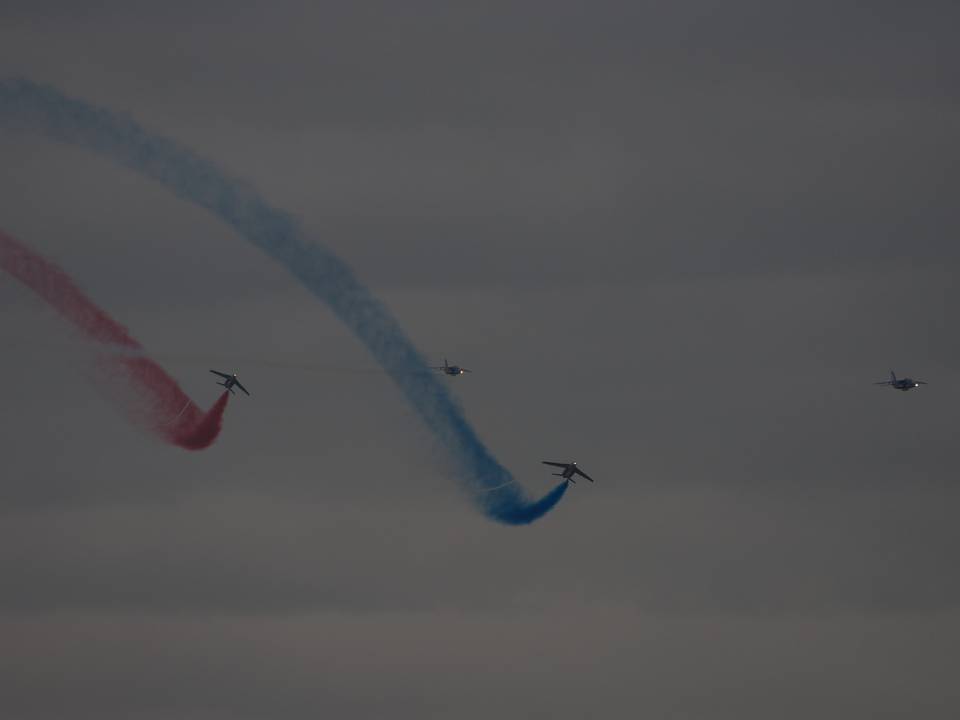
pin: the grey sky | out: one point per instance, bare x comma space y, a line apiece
676, 241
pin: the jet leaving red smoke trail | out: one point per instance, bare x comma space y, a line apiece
158, 402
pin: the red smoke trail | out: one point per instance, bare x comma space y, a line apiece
162, 407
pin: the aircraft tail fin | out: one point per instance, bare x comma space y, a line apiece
893, 376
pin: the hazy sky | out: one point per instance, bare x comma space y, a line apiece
675, 241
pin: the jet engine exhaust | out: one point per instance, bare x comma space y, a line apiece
156, 402
30, 107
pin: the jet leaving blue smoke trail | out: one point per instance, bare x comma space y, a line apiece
27, 106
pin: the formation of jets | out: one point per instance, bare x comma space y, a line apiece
901, 384
570, 469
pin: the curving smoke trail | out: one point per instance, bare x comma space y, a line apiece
27, 106
157, 402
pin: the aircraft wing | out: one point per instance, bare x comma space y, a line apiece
237, 383
578, 471
223, 375
884, 382
547, 462
921, 382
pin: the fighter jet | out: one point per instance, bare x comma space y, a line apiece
450, 369
229, 381
569, 470
902, 384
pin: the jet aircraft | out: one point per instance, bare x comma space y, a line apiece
901, 384
229, 381
569, 470
450, 369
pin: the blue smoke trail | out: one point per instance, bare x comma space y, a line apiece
28, 106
